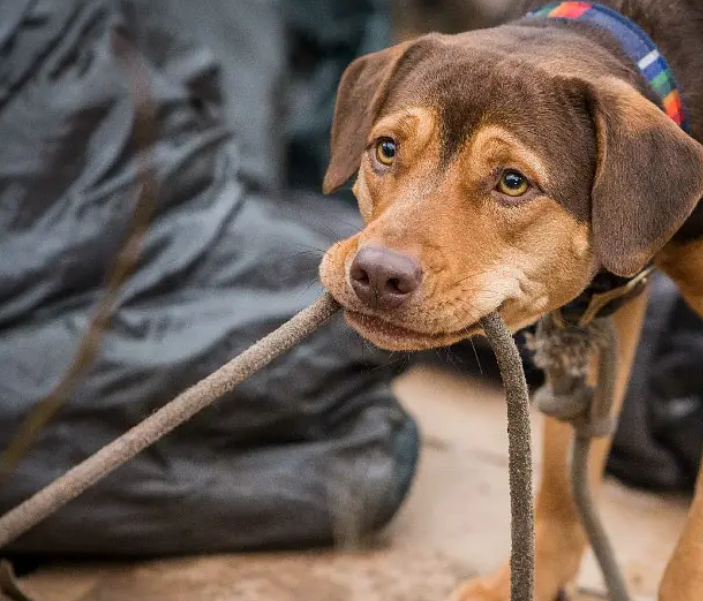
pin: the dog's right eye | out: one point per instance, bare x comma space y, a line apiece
386, 150
513, 183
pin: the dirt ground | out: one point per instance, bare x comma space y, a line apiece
453, 525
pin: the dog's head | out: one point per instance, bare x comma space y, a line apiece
497, 170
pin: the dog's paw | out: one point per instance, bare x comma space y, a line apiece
490, 589
482, 589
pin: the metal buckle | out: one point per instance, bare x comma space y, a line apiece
601, 301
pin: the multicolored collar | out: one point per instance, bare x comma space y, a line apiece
636, 44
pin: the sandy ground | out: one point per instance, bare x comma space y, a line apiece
453, 525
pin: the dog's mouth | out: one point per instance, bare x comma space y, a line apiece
388, 335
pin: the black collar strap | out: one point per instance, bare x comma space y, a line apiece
605, 295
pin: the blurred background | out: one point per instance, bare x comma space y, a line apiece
160, 169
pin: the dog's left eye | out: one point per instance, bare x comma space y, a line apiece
386, 149
513, 183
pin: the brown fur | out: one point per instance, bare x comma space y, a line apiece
615, 181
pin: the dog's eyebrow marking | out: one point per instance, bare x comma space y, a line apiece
414, 121
500, 140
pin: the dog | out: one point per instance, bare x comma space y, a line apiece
526, 169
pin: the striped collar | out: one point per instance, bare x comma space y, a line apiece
636, 44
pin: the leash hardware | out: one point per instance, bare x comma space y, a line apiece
600, 302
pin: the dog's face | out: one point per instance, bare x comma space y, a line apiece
494, 176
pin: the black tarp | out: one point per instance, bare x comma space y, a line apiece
231, 254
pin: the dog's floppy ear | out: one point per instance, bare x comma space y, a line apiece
649, 177
359, 97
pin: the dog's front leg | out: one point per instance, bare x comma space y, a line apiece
560, 540
683, 579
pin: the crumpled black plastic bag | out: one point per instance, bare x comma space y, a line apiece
293, 455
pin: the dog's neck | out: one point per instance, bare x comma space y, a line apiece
675, 28
630, 34
635, 43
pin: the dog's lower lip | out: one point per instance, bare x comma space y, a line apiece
381, 325
378, 325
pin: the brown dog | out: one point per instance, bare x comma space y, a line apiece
506, 169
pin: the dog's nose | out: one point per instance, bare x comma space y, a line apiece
384, 278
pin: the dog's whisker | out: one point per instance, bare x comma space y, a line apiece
358, 228
302, 253
322, 228
308, 273
322, 251
400, 359
335, 236
478, 360
451, 358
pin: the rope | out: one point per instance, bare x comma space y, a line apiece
55, 495
62, 490
522, 531
599, 416
564, 353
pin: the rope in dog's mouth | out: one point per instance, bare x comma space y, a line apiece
55, 495
522, 554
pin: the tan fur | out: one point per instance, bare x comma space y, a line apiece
684, 265
683, 579
615, 180
476, 257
